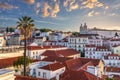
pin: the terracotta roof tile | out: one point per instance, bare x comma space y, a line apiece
27, 78
90, 63
60, 53
102, 47
116, 45
7, 62
58, 59
82, 35
111, 55
90, 45
78, 75
116, 77
42, 47
53, 66
115, 39
49, 53
86, 60
39, 37
112, 69
76, 64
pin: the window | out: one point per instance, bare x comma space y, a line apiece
33, 53
118, 63
38, 73
62, 70
44, 75
86, 52
34, 71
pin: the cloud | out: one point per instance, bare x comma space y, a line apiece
74, 6
70, 5
48, 22
90, 13
107, 7
55, 10
91, 4
96, 13
51, 9
7, 6
116, 6
45, 10
37, 8
13, 19
113, 14
54, 0
29, 1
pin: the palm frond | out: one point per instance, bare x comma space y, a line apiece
25, 25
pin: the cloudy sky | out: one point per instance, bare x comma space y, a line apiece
64, 15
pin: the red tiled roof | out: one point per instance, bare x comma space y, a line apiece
90, 63
115, 39
116, 45
73, 64
76, 64
53, 66
80, 35
39, 37
64, 40
98, 48
42, 47
94, 61
50, 41
27, 78
83, 75
104, 77
112, 55
78, 75
51, 53
90, 45
102, 47
116, 77
58, 59
7, 62
106, 39
60, 53
113, 69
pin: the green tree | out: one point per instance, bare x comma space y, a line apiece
45, 30
20, 62
9, 29
109, 78
26, 26
75, 33
116, 34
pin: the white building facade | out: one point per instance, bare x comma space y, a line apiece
112, 60
96, 52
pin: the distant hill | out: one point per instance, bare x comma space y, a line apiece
98, 29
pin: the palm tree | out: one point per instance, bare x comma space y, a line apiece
26, 26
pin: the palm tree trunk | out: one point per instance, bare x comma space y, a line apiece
25, 47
